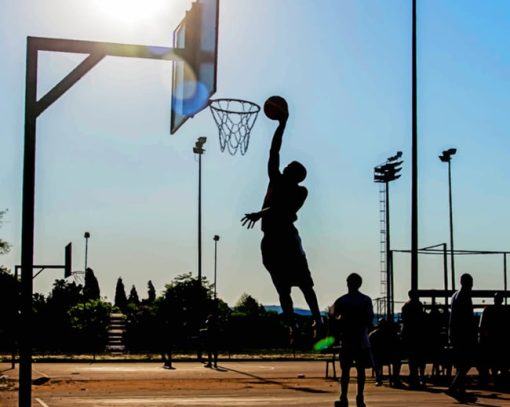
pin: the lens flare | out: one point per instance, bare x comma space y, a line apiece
190, 98
325, 343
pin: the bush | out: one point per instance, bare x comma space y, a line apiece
89, 324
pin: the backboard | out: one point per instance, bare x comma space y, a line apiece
194, 77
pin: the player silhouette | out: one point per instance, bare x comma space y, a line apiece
282, 253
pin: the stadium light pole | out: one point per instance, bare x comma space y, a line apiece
199, 150
216, 238
86, 236
385, 173
446, 157
414, 153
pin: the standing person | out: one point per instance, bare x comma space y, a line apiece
211, 340
355, 314
385, 347
413, 335
282, 253
168, 327
463, 338
494, 339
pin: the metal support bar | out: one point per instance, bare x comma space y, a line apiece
445, 269
65, 84
27, 238
18, 267
106, 48
96, 51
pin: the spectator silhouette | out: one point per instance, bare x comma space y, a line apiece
494, 340
355, 314
463, 338
435, 340
385, 346
211, 340
282, 253
413, 335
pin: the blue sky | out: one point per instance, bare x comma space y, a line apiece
107, 164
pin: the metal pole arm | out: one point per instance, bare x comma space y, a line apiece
106, 48
97, 51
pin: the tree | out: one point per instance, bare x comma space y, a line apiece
9, 298
65, 294
9, 305
250, 326
133, 296
89, 322
151, 293
54, 319
185, 306
249, 306
120, 295
91, 289
5, 247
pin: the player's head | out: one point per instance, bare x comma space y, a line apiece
413, 295
295, 171
466, 281
354, 282
498, 298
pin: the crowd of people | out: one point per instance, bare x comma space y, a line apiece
444, 340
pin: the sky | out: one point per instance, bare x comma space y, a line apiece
107, 164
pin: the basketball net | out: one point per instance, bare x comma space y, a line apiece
235, 119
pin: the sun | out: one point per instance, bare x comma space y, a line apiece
130, 11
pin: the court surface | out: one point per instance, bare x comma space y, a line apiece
254, 383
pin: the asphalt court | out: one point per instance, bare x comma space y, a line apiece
254, 383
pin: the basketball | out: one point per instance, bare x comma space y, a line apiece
275, 107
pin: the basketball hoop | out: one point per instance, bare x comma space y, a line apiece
235, 119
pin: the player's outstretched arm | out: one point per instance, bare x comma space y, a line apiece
250, 219
273, 166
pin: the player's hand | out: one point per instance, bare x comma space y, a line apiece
250, 219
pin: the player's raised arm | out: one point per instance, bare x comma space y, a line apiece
276, 108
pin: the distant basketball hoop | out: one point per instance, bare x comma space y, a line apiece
235, 119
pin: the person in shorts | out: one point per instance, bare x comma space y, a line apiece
463, 333
282, 252
354, 315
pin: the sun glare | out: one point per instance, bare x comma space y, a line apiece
131, 11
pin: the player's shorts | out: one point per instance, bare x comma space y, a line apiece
283, 256
361, 356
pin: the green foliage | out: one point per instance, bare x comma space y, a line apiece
52, 320
9, 304
185, 306
143, 330
89, 324
65, 295
5, 247
249, 306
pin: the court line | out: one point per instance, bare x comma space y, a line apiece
42, 403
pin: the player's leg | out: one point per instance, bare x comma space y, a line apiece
360, 368
311, 300
346, 362
299, 264
274, 262
313, 304
284, 291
